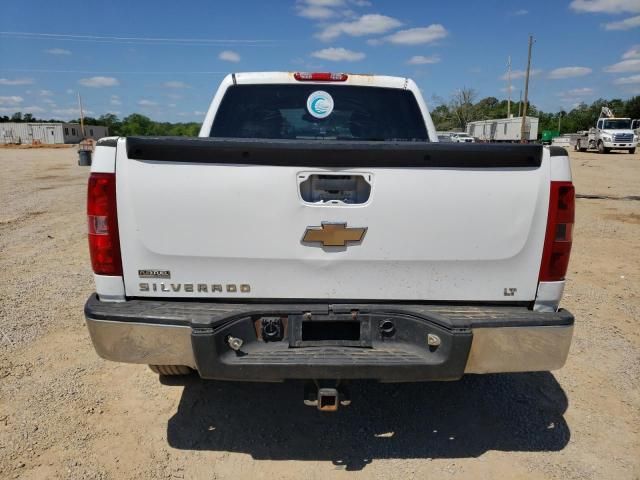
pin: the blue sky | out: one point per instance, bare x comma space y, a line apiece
165, 58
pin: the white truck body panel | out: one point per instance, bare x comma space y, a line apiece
234, 225
224, 224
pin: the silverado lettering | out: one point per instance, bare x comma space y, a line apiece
189, 287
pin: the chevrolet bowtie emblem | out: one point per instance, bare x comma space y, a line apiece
333, 234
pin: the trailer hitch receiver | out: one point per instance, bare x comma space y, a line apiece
326, 399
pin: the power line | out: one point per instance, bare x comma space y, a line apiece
139, 40
40, 70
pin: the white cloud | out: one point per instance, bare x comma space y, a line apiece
325, 3
516, 74
174, 96
605, 6
338, 55
370, 24
229, 56
70, 91
417, 36
632, 80
422, 60
115, 100
71, 112
199, 112
576, 92
172, 105
11, 100
569, 72
325, 9
45, 93
315, 12
58, 51
633, 52
630, 65
626, 24
99, 82
175, 84
34, 109
16, 81
521, 12
147, 103
49, 102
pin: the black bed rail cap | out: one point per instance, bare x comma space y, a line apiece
556, 151
333, 153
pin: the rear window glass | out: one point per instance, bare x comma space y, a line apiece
348, 113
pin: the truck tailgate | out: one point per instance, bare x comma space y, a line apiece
215, 218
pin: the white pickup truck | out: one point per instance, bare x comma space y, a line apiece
316, 230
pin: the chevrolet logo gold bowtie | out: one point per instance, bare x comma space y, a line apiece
333, 234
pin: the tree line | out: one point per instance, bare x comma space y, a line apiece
463, 108
447, 115
134, 124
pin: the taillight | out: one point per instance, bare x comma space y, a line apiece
104, 242
558, 239
320, 77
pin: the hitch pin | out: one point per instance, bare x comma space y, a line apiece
234, 343
433, 340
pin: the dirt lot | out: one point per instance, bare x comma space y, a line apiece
65, 413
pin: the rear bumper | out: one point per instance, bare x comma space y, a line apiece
472, 339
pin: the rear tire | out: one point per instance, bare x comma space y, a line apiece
170, 369
579, 146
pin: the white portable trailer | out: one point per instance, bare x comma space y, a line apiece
503, 129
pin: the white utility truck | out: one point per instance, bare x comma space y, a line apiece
316, 230
610, 133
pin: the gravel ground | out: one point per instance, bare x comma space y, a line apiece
65, 413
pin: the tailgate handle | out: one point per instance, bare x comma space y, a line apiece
335, 188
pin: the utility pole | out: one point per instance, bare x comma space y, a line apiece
520, 104
509, 87
81, 115
526, 92
559, 118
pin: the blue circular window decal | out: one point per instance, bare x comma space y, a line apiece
320, 104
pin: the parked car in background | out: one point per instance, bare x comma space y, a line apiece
462, 138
